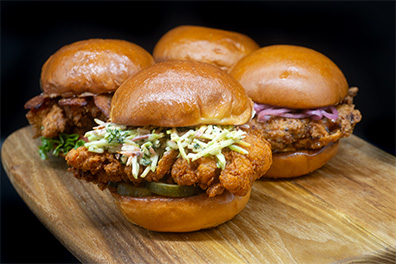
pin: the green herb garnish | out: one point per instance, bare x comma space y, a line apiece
116, 135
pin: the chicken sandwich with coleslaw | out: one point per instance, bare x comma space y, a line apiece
175, 153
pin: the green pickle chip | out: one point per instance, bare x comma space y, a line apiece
172, 190
130, 190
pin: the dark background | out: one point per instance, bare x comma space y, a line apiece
358, 36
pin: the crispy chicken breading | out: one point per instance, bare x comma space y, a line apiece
202, 172
237, 177
51, 116
292, 134
243, 170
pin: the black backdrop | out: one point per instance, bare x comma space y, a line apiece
358, 36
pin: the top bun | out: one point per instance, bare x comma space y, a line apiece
291, 76
93, 66
218, 47
178, 94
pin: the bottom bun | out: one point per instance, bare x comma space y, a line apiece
293, 164
164, 214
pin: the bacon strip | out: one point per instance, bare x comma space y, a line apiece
36, 102
103, 102
73, 101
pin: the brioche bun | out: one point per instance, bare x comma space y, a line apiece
93, 66
218, 47
293, 164
291, 76
179, 94
164, 214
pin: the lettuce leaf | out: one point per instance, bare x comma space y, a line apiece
62, 144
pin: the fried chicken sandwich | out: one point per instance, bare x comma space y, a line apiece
303, 106
174, 153
78, 82
218, 47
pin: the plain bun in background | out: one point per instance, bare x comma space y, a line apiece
291, 76
93, 66
179, 94
187, 214
215, 46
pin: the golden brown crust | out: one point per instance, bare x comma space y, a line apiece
93, 66
291, 76
293, 164
181, 93
294, 134
218, 47
164, 214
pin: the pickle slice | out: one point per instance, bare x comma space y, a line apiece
112, 184
172, 190
130, 190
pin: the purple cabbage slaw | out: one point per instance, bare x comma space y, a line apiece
264, 112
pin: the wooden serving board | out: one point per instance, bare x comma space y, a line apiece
344, 213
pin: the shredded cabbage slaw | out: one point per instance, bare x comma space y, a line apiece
137, 147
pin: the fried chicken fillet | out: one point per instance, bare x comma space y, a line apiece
237, 177
51, 116
292, 134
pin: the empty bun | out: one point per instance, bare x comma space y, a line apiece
218, 47
293, 164
178, 94
165, 214
93, 66
291, 76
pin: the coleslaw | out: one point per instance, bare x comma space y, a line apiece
142, 147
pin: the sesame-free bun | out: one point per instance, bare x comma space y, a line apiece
293, 164
218, 47
165, 214
179, 94
291, 76
93, 66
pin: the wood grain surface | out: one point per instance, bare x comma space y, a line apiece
344, 212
